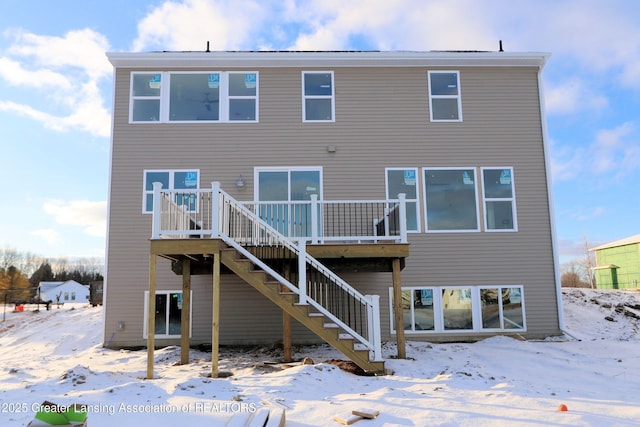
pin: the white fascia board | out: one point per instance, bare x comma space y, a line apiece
270, 59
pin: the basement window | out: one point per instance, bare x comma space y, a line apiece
460, 309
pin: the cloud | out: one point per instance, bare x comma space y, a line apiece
92, 216
586, 214
58, 74
48, 235
190, 24
573, 96
614, 152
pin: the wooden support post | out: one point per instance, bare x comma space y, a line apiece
151, 316
397, 308
286, 322
215, 316
286, 337
185, 318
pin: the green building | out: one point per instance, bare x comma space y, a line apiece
618, 264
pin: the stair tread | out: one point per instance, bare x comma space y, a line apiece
286, 299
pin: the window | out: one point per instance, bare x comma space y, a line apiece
317, 96
73, 296
499, 199
444, 96
145, 97
168, 318
460, 309
243, 97
194, 97
502, 308
451, 199
456, 309
171, 180
405, 181
66, 296
417, 310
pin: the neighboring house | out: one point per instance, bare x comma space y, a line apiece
618, 264
63, 292
423, 175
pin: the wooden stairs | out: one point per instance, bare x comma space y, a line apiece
303, 313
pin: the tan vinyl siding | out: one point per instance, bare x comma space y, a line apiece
382, 120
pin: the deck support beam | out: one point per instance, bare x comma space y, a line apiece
397, 309
151, 318
215, 315
185, 319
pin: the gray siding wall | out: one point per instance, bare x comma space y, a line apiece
382, 120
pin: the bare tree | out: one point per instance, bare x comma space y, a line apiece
589, 262
572, 275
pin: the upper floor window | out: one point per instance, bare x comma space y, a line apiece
405, 180
318, 100
194, 97
444, 96
170, 180
499, 199
451, 201
145, 97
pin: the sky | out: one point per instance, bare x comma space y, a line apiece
56, 93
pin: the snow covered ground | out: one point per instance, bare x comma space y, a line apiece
57, 355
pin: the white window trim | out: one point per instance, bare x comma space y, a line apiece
502, 319
416, 200
475, 186
438, 313
171, 173
145, 326
332, 97
133, 98
165, 92
512, 199
432, 97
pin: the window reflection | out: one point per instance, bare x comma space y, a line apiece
456, 308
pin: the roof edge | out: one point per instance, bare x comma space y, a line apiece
265, 59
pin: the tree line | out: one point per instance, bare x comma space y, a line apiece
21, 273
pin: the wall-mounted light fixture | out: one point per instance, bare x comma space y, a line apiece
240, 182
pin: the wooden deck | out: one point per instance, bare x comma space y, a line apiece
347, 257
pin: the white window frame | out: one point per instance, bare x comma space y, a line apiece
332, 97
165, 93
171, 172
458, 97
426, 207
501, 309
511, 199
416, 200
133, 98
288, 169
438, 313
145, 326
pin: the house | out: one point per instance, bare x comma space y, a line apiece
263, 197
63, 292
618, 264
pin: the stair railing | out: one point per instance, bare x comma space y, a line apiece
356, 314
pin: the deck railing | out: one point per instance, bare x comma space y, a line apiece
273, 237
185, 213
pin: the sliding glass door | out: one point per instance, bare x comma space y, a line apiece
284, 196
